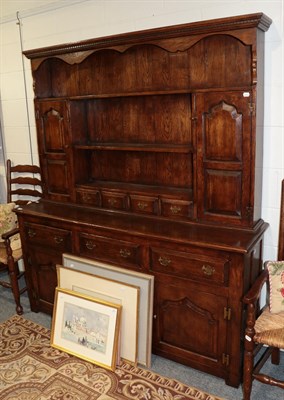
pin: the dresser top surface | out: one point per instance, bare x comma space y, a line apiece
215, 237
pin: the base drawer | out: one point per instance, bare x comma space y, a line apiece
46, 236
188, 265
115, 251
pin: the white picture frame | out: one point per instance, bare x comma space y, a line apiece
113, 292
146, 284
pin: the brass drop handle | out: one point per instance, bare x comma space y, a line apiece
175, 209
90, 244
31, 233
164, 261
58, 239
142, 205
208, 270
124, 253
86, 197
112, 202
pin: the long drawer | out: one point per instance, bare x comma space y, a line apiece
112, 250
42, 235
211, 267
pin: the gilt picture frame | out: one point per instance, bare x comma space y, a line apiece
85, 327
111, 291
144, 281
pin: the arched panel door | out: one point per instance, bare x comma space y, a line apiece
224, 157
53, 139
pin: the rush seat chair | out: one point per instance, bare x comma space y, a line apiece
23, 186
264, 333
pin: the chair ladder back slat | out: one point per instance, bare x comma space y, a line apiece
33, 169
26, 180
23, 181
26, 192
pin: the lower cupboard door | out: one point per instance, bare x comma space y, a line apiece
190, 328
44, 278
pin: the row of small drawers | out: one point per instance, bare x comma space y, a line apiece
211, 267
137, 203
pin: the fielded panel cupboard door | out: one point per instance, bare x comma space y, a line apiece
41, 266
189, 324
53, 140
225, 157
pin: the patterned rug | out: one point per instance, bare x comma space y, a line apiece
30, 369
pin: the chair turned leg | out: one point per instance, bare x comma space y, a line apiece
248, 353
248, 369
15, 285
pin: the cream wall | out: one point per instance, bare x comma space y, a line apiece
55, 22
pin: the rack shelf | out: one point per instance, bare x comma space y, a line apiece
149, 147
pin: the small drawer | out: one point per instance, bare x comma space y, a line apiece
114, 200
107, 249
144, 204
191, 266
176, 208
91, 198
48, 237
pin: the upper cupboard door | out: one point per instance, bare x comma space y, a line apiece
225, 157
52, 119
52, 124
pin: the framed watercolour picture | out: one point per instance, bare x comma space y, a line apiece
111, 291
86, 327
144, 281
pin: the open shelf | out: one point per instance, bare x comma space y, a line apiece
149, 147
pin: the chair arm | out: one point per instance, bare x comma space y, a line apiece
254, 292
10, 233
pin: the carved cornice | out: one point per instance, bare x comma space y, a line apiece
259, 20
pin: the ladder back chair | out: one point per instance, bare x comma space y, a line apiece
265, 327
23, 183
23, 186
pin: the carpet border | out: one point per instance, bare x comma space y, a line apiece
181, 389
